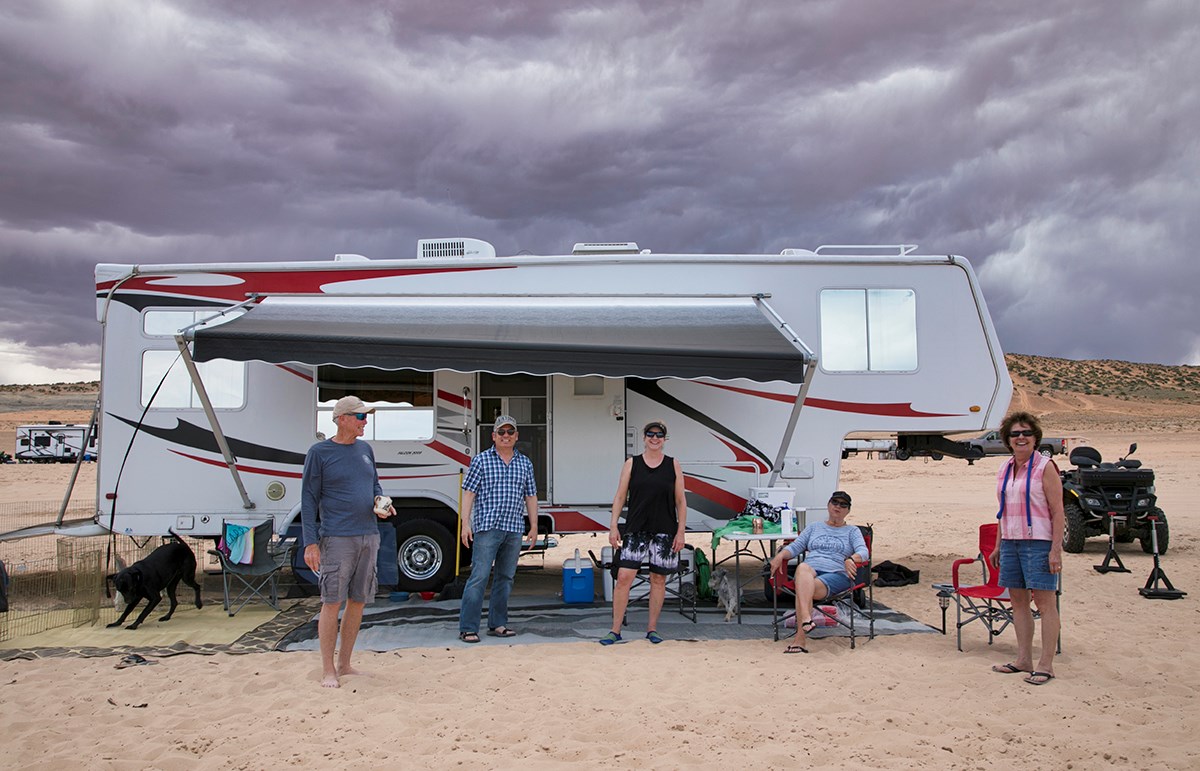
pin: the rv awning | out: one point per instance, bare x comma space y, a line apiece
681, 337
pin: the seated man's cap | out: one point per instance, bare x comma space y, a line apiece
504, 420
840, 496
349, 404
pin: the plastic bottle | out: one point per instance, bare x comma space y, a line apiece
787, 520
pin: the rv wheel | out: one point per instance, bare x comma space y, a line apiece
902, 454
425, 555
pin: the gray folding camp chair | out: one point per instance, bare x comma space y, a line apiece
258, 576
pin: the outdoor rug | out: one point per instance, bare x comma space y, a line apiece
416, 623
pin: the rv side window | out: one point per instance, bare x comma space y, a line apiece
225, 382
42, 440
403, 401
869, 330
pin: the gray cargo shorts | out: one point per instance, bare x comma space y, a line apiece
348, 568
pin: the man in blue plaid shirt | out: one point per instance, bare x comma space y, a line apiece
499, 492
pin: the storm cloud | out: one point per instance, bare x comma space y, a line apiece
1051, 143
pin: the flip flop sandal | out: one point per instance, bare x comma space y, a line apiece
468, 637
134, 660
501, 631
795, 649
1008, 669
1039, 678
808, 626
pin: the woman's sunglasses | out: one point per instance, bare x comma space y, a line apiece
656, 435
1022, 432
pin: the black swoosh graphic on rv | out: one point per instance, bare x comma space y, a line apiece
190, 435
654, 392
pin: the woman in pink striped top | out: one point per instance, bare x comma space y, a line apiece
1029, 551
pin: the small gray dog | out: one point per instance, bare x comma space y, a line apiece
729, 595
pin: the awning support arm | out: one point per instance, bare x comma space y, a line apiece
793, 419
230, 461
810, 368
87, 437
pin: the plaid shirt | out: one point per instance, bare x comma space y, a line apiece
500, 490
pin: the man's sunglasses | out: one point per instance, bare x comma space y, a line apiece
505, 431
1022, 432
656, 435
359, 415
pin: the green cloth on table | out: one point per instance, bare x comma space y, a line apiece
743, 525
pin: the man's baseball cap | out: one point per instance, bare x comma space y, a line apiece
349, 404
840, 496
504, 420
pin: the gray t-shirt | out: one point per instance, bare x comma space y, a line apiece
339, 481
828, 547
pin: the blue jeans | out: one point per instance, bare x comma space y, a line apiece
491, 546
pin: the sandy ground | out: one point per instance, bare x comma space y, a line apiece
1125, 695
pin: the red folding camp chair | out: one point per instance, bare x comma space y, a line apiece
987, 602
856, 601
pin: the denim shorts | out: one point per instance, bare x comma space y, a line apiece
835, 583
1026, 565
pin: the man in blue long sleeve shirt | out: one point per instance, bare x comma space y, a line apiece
341, 483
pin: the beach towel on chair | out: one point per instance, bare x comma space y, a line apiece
238, 544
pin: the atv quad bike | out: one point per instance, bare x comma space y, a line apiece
1093, 489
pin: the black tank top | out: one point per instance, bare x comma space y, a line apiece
652, 498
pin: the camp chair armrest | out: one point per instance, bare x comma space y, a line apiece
959, 563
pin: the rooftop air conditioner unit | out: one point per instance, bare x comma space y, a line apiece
444, 248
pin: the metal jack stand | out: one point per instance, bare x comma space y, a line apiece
1105, 567
1152, 591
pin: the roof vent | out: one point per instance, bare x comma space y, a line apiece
627, 247
445, 248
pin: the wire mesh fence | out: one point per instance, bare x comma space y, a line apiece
57, 581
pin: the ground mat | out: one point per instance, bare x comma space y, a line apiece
419, 624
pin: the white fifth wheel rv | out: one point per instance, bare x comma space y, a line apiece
217, 378
54, 443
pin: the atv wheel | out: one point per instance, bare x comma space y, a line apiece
1164, 534
1076, 531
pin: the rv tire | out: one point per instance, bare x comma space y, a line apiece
424, 554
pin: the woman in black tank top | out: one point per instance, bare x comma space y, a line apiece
652, 484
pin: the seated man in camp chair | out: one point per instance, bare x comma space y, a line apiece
832, 553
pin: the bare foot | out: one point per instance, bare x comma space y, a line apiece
330, 681
350, 670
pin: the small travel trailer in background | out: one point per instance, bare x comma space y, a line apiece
54, 443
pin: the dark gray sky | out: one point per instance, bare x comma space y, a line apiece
1054, 144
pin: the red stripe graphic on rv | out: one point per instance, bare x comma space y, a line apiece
457, 456
895, 410
714, 493
741, 455
461, 401
292, 474
269, 282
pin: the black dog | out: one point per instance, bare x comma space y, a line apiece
145, 579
